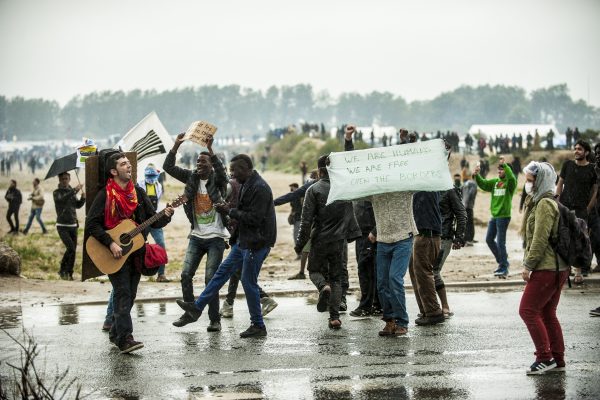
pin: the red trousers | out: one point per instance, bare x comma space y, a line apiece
538, 311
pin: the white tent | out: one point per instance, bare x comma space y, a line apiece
495, 130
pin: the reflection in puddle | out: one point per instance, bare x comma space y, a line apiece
10, 317
240, 391
68, 314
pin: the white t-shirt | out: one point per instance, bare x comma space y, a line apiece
207, 221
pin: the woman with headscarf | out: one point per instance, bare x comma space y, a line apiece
544, 272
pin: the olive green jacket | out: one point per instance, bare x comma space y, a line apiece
542, 220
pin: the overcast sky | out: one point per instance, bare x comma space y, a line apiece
57, 49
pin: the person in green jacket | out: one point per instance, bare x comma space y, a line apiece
502, 189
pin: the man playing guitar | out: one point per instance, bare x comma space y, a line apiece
121, 199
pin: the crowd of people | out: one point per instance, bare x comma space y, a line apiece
393, 233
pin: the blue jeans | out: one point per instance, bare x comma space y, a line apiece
197, 248
496, 240
37, 213
392, 264
250, 261
159, 239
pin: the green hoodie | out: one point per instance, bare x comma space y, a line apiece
502, 192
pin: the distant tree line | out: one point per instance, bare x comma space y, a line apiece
244, 111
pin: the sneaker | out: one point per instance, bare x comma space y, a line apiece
430, 320
226, 310
334, 324
106, 326
254, 331
267, 305
400, 330
595, 312
360, 312
343, 306
498, 270
185, 319
501, 272
389, 329
539, 367
323, 303
214, 326
560, 367
191, 309
299, 275
162, 278
448, 314
130, 345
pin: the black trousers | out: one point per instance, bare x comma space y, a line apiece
10, 214
68, 235
366, 254
125, 283
326, 266
470, 229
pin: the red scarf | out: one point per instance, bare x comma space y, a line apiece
120, 203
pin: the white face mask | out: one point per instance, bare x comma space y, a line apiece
528, 187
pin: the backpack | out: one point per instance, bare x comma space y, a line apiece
572, 243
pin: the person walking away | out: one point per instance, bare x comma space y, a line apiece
14, 198
543, 270
502, 190
205, 187
327, 227
454, 221
66, 205
577, 190
121, 199
393, 232
154, 189
255, 235
37, 204
469, 193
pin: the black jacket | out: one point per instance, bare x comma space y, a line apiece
65, 204
255, 213
14, 198
363, 210
94, 222
426, 209
330, 223
452, 210
216, 185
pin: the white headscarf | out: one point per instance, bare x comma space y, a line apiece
545, 178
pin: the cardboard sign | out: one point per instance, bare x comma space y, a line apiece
200, 132
420, 166
84, 151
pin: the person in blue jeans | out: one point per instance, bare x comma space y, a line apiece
154, 190
37, 204
502, 190
252, 241
205, 187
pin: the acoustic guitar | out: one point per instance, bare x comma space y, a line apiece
128, 235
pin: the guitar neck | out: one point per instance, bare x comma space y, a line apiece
146, 223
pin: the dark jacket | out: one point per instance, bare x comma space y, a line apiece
14, 198
295, 195
363, 210
454, 215
426, 208
66, 203
255, 213
94, 222
332, 222
216, 185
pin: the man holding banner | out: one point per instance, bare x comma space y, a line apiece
388, 177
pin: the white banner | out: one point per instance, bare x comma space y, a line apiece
420, 166
150, 140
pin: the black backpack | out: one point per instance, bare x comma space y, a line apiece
572, 243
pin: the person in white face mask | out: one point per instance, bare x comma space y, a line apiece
544, 283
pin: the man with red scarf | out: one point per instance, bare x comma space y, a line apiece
122, 199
